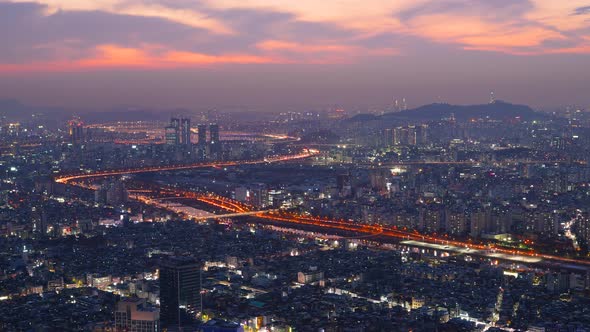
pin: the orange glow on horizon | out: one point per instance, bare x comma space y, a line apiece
344, 31
113, 56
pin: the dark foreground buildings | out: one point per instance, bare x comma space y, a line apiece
179, 291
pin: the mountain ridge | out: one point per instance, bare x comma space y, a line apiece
498, 110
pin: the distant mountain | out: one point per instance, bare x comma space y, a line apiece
364, 118
498, 110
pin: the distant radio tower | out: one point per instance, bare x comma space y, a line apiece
492, 97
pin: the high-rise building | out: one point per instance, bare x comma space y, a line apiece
134, 315
214, 133
76, 131
178, 132
175, 122
185, 131
180, 288
172, 135
202, 135
254, 194
202, 147
583, 227
344, 184
422, 134
215, 141
456, 222
112, 193
388, 134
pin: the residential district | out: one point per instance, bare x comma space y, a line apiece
443, 218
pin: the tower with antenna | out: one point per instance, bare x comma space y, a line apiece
492, 97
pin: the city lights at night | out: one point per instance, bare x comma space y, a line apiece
295, 166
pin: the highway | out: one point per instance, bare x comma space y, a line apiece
379, 232
66, 178
190, 212
384, 232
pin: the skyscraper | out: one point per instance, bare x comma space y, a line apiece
178, 132
422, 134
173, 132
179, 290
185, 131
388, 135
76, 131
202, 135
215, 142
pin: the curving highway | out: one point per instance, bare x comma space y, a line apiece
67, 178
239, 208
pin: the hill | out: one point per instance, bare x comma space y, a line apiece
498, 110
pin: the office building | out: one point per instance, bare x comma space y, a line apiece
185, 131
172, 135
215, 142
76, 131
179, 291
178, 132
387, 138
202, 135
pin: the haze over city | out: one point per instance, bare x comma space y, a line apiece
294, 166
268, 55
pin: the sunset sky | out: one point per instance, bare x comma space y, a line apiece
293, 54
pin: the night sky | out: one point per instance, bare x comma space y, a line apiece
271, 54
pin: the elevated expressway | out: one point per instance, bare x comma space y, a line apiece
409, 238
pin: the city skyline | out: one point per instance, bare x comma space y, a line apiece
273, 54
274, 165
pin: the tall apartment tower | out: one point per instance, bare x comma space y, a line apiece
180, 288
202, 135
185, 131
178, 132
173, 132
215, 141
76, 131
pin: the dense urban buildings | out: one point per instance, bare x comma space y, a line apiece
294, 166
377, 222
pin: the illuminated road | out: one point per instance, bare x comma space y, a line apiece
192, 213
235, 207
67, 178
527, 256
